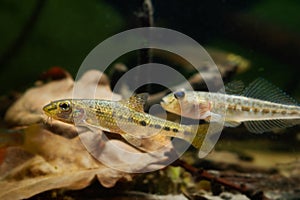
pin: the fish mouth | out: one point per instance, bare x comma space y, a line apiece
48, 108
45, 108
163, 103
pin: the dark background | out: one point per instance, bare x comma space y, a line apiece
38, 34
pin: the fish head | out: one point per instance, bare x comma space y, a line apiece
185, 103
64, 110
172, 102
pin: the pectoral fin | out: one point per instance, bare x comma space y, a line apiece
215, 118
137, 142
212, 117
231, 123
148, 144
93, 125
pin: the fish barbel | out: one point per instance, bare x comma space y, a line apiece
126, 118
261, 106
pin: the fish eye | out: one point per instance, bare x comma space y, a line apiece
179, 94
65, 106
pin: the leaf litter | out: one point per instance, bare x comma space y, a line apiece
47, 157
53, 156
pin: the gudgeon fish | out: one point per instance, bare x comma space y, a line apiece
126, 118
261, 106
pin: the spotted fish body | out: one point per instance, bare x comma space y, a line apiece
125, 118
239, 108
260, 111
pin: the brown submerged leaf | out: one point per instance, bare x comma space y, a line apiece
28, 109
48, 161
53, 156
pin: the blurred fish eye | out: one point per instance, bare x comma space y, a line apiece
179, 94
65, 106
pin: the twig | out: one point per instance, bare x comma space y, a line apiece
145, 18
16, 45
146, 14
202, 174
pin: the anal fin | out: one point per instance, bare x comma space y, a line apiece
269, 125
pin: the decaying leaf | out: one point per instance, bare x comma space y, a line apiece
48, 161
54, 155
28, 109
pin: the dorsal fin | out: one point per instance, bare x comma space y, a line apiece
263, 90
234, 87
137, 101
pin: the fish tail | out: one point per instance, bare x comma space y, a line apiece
199, 132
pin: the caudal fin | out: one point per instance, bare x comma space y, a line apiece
206, 137
201, 133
